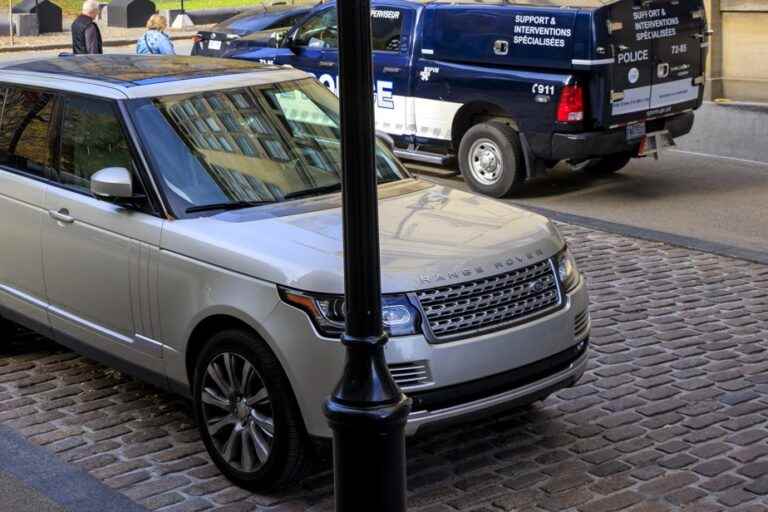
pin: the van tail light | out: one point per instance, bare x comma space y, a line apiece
570, 109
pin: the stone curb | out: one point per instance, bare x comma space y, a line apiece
62, 483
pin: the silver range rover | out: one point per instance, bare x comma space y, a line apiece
179, 218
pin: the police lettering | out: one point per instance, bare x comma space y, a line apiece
635, 56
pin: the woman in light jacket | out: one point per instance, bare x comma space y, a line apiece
155, 41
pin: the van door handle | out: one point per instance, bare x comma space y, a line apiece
390, 69
326, 64
62, 216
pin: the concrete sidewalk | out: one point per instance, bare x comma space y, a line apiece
112, 36
34, 480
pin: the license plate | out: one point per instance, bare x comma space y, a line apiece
635, 131
216, 45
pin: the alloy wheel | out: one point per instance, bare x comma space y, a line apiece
237, 411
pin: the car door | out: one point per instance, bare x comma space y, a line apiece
314, 46
99, 256
25, 158
390, 39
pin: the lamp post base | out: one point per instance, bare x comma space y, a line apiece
367, 414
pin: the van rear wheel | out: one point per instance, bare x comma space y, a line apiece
247, 414
491, 159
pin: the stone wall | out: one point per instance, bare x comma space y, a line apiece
738, 57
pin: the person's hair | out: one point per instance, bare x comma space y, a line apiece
157, 22
90, 7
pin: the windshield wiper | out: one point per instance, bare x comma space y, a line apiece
313, 191
235, 205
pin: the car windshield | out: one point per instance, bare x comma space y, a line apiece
248, 146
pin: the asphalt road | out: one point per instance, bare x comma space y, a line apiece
716, 200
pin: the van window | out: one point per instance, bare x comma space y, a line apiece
386, 29
92, 138
319, 31
24, 130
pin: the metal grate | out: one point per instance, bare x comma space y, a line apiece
581, 325
411, 374
490, 303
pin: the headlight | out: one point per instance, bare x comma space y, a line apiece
399, 316
566, 270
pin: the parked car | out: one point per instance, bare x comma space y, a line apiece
512, 88
216, 41
180, 218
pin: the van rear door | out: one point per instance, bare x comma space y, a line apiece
633, 65
658, 57
678, 57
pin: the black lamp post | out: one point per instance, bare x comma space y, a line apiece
367, 411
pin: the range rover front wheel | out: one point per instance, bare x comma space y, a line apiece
246, 412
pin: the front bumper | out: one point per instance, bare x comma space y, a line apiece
487, 372
561, 376
566, 146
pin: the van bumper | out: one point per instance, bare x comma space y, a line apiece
567, 146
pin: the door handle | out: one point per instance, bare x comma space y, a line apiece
390, 69
61, 216
326, 64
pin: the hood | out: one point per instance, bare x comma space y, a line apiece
257, 19
430, 236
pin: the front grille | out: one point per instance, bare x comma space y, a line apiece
490, 303
581, 325
411, 374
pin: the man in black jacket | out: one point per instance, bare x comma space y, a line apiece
86, 37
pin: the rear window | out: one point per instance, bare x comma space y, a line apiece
25, 142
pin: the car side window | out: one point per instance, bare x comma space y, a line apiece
319, 31
286, 22
91, 139
386, 29
25, 142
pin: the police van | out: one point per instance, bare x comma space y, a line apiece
511, 88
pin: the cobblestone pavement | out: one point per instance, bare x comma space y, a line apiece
672, 414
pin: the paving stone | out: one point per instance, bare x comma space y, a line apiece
161, 485
685, 496
714, 467
618, 501
665, 484
754, 470
721, 483
759, 486
677, 461
747, 437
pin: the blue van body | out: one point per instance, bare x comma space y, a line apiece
636, 66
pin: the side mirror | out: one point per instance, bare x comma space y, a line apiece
112, 183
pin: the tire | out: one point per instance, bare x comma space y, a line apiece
234, 421
7, 327
491, 159
608, 164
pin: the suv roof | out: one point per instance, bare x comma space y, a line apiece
134, 76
